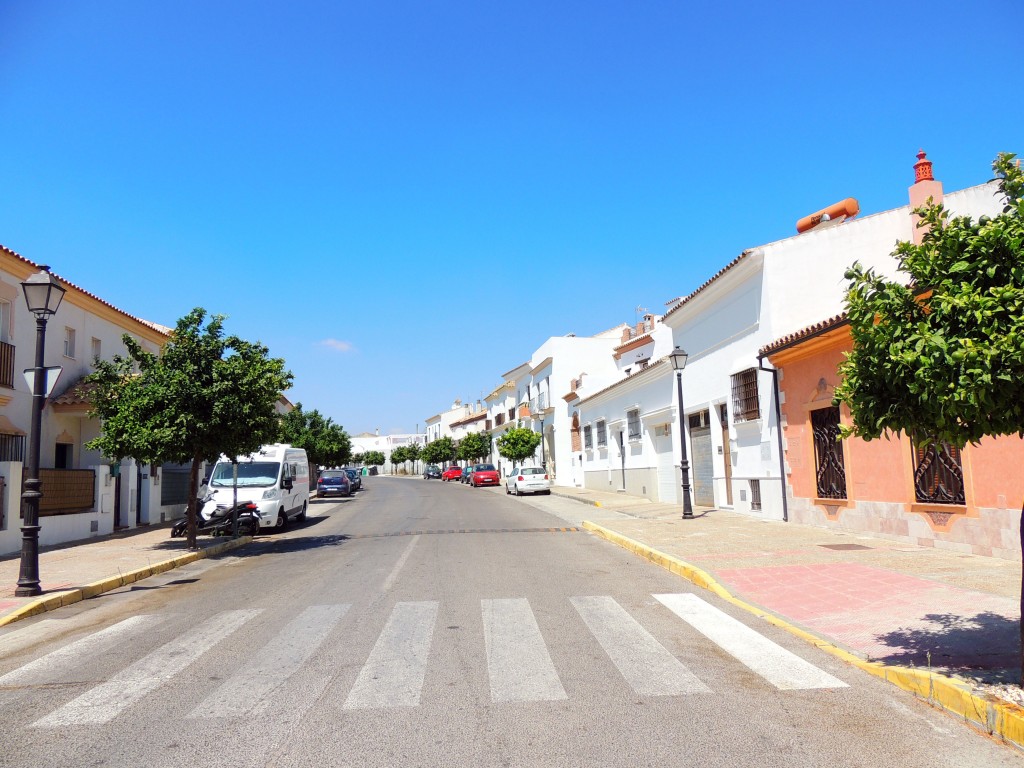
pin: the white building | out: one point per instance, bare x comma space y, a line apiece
84, 495
440, 424
374, 441
538, 400
730, 409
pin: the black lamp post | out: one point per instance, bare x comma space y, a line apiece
678, 358
43, 295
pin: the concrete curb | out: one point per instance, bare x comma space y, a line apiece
575, 498
71, 596
987, 713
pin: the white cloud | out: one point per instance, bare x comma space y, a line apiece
337, 345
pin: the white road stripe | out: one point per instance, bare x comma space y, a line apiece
645, 663
517, 659
774, 663
105, 702
390, 580
76, 654
393, 675
273, 664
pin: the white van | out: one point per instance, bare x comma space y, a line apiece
275, 478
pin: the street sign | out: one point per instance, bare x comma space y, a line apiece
52, 373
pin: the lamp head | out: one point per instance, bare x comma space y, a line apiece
43, 293
678, 357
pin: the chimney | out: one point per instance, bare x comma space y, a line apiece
627, 334
925, 186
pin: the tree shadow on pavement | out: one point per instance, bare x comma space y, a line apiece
984, 648
265, 535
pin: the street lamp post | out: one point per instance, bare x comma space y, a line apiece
678, 358
43, 295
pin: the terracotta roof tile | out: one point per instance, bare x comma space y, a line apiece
803, 334
79, 392
633, 375
686, 299
64, 281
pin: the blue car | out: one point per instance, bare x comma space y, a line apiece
354, 479
333, 482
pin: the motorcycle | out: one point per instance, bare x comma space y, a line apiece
219, 519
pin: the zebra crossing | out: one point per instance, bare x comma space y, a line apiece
519, 665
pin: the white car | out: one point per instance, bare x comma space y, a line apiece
527, 480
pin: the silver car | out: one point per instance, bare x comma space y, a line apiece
528, 480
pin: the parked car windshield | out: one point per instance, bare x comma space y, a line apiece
483, 468
333, 473
531, 471
251, 474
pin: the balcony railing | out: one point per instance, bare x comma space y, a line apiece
12, 448
6, 365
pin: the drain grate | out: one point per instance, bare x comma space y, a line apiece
844, 547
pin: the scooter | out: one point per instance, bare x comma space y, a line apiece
219, 520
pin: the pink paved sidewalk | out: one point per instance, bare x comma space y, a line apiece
882, 599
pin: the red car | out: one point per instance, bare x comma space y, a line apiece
452, 473
483, 474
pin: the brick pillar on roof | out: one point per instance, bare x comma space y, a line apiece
925, 186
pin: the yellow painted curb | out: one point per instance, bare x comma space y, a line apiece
71, 596
988, 713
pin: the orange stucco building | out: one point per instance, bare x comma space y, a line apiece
967, 501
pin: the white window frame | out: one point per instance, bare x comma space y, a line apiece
69, 342
746, 396
634, 429
5, 320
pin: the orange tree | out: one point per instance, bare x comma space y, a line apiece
204, 394
942, 358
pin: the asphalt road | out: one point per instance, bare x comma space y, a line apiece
431, 624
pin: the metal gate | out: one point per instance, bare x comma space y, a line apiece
174, 483
702, 464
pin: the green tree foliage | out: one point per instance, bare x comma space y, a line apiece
412, 453
440, 451
326, 444
205, 394
518, 444
943, 358
476, 446
399, 456
373, 459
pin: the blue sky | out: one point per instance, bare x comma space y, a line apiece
405, 199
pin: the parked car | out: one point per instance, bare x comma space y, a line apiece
452, 473
355, 479
483, 474
528, 480
333, 481
464, 477
432, 472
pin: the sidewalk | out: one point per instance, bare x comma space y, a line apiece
911, 614
78, 570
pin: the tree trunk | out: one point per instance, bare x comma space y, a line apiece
192, 513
